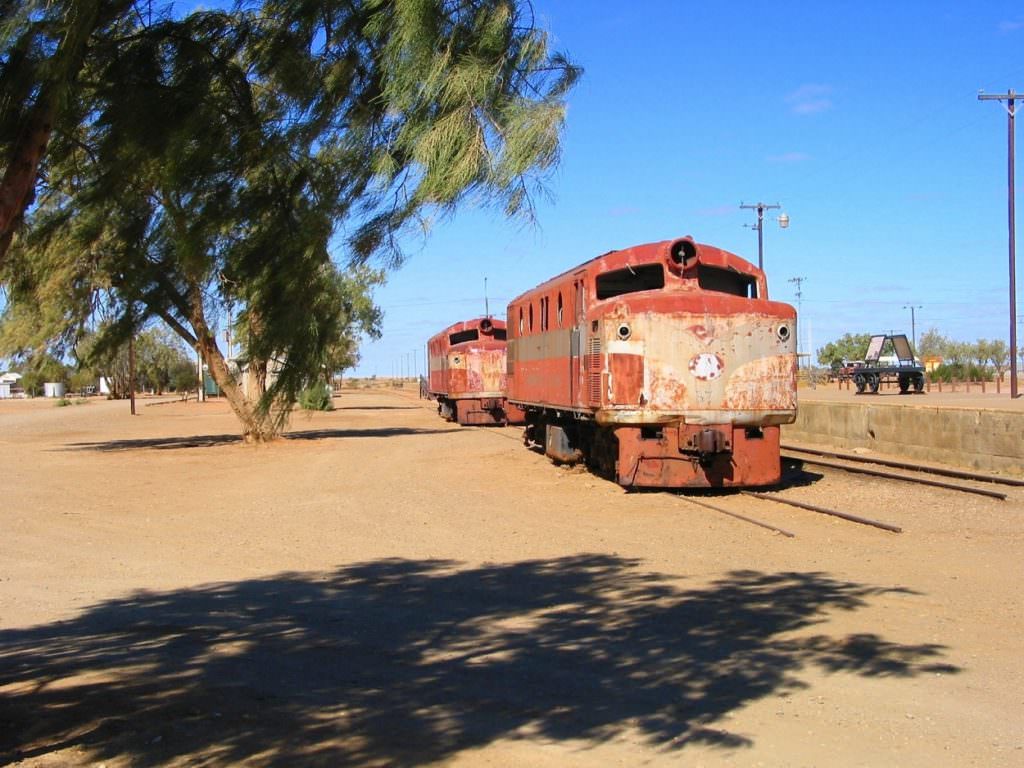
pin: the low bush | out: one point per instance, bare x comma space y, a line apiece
959, 372
316, 398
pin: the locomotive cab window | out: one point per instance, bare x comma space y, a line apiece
500, 334
647, 277
461, 337
726, 281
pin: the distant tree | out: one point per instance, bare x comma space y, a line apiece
999, 356
184, 378
957, 352
110, 362
214, 158
81, 378
980, 352
849, 347
158, 353
41, 369
361, 317
931, 343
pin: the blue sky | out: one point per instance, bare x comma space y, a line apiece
861, 119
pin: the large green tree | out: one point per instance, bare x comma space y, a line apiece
224, 157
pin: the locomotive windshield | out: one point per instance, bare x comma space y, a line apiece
461, 337
726, 281
647, 277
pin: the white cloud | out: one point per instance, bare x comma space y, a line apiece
1011, 26
810, 99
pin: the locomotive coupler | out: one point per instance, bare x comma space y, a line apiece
704, 442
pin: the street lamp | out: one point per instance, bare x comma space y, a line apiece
783, 220
1010, 98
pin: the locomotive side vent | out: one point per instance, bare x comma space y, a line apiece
594, 368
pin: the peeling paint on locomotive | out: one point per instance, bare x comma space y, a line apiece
674, 369
467, 373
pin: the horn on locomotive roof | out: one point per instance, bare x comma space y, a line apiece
486, 326
683, 250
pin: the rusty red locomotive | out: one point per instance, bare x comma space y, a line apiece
467, 373
662, 365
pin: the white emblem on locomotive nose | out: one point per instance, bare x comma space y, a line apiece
706, 366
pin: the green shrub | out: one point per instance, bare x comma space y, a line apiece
948, 372
63, 402
316, 398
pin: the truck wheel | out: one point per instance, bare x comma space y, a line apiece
859, 381
919, 383
904, 383
873, 382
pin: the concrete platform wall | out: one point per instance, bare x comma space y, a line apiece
983, 439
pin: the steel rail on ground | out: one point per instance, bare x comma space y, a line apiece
943, 472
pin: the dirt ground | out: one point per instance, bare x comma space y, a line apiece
384, 588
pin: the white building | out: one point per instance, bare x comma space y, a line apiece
10, 383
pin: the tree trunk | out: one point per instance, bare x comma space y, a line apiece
257, 426
17, 189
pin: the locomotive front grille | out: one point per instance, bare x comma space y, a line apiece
594, 369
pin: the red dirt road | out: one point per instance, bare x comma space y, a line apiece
385, 588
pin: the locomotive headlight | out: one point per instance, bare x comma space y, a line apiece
624, 331
782, 332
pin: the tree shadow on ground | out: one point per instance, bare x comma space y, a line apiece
399, 662
209, 441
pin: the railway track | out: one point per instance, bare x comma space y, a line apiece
924, 468
790, 502
917, 474
854, 464
918, 480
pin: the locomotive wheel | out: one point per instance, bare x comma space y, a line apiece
533, 435
858, 379
874, 380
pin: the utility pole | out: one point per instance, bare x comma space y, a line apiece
759, 226
131, 370
913, 326
799, 309
1010, 98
